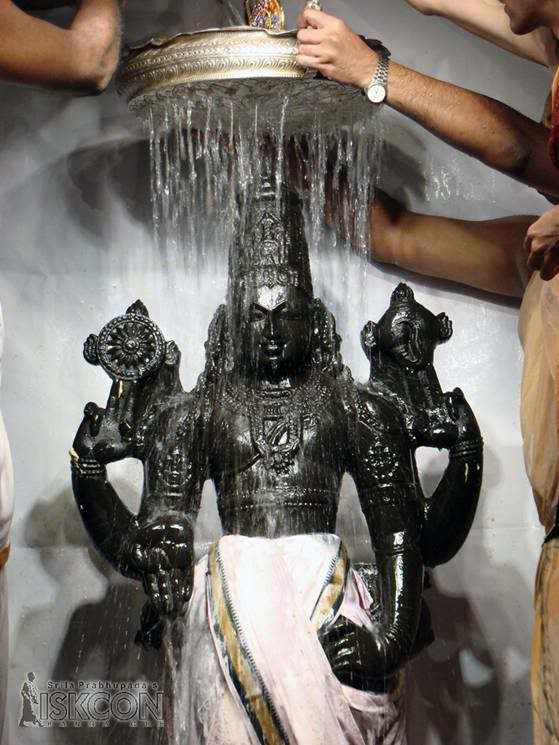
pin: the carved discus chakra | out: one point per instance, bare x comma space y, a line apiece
128, 348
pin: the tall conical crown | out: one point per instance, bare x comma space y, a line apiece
270, 247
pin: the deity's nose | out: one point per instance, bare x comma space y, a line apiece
271, 329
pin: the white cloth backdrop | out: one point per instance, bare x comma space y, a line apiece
76, 248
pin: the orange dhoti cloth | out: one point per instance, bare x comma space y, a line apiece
539, 333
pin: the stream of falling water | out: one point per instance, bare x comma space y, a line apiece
201, 176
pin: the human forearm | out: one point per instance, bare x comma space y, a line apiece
98, 28
479, 126
487, 254
488, 20
82, 57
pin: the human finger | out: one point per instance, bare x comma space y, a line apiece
319, 51
535, 259
301, 21
314, 18
310, 36
550, 265
310, 61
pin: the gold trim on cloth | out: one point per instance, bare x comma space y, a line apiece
241, 667
332, 593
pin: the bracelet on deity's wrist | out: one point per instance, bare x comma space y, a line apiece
466, 449
86, 466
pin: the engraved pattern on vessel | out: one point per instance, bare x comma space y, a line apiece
206, 59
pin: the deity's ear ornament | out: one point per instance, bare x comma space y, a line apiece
218, 347
326, 340
369, 338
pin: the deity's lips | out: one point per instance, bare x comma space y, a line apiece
272, 349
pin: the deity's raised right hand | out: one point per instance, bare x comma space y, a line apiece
105, 434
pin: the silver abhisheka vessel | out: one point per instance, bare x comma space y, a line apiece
237, 68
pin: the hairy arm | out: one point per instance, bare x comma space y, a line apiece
487, 19
82, 57
488, 254
479, 126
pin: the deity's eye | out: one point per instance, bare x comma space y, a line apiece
289, 314
257, 315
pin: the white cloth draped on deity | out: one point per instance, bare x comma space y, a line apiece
253, 671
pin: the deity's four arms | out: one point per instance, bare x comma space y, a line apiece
275, 421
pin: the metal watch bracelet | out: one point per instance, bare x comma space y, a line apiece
376, 90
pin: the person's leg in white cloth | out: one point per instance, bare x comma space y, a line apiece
6, 511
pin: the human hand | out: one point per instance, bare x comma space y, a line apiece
326, 44
105, 434
542, 244
163, 554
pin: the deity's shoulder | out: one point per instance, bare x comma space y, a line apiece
169, 421
377, 412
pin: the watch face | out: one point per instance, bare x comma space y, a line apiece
376, 93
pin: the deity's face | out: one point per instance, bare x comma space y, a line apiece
527, 15
276, 331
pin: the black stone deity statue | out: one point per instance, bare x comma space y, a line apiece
275, 422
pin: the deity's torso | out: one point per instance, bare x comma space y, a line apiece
277, 455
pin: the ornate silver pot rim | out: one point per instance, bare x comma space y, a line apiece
234, 53
237, 68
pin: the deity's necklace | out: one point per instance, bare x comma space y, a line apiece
276, 416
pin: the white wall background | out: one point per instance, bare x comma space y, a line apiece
76, 248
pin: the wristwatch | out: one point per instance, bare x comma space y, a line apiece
376, 90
